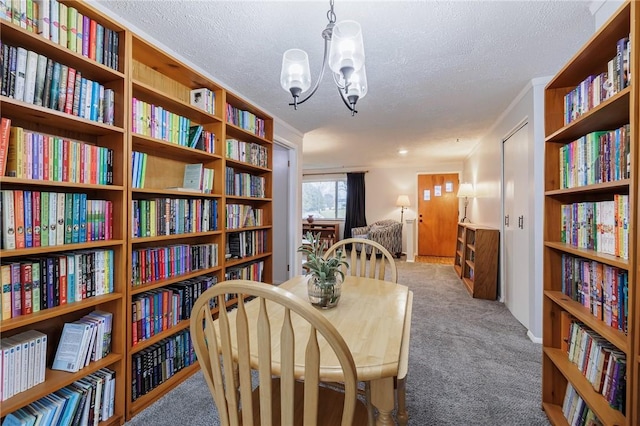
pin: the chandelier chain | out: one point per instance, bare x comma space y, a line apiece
331, 16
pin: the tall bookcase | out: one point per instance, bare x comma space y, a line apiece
170, 266
80, 135
598, 303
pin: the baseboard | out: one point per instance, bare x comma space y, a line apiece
533, 338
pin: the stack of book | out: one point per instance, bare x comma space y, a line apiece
24, 360
83, 341
204, 99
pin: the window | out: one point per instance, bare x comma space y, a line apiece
324, 199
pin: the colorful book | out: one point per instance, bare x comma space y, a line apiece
5, 132
18, 205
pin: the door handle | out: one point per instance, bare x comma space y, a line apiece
521, 222
506, 221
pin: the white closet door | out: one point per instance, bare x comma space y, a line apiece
516, 237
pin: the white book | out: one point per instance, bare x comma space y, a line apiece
193, 176
8, 371
8, 220
30, 76
44, 22
40, 360
73, 340
85, 357
21, 69
60, 218
99, 343
53, 217
17, 364
608, 225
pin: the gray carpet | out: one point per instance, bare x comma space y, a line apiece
470, 363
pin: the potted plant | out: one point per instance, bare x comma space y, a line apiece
325, 275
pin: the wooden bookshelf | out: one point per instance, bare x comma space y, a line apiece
476, 259
161, 80
561, 299
55, 123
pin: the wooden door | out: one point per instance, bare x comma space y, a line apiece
437, 214
516, 295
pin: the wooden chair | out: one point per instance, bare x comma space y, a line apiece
363, 265
279, 398
370, 266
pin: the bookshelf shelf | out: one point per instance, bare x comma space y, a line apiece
575, 309
33, 251
237, 198
248, 228
162, 283
235, 262
174, 193
47, 314
563, 302
143, 344
25, 112
239, 132
621, 185
140, 240
8, 181
170, 150
246, 166
589, 254
52, 126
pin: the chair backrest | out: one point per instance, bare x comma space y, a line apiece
248, 329
366, 266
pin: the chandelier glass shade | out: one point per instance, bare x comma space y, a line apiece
343, 53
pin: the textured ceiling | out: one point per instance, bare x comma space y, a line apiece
440, 72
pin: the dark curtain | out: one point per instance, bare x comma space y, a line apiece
355, 215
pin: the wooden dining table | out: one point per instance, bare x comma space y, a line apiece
374, 318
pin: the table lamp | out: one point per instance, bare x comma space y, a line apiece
465, 191
402, 202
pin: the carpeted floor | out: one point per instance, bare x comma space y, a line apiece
470, 363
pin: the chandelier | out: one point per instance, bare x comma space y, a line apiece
343, 51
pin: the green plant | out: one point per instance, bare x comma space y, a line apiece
323, 269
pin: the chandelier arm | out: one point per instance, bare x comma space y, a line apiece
324, 65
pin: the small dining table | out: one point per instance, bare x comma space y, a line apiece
373, 317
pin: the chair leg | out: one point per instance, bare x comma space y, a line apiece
403, 418
370, 411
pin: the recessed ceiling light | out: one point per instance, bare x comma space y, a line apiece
402, 151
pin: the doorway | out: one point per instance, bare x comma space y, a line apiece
437, 214
281, 200
516, 237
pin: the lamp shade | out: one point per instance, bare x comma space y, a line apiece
403, 201
295, 72
346, 53
465, 190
